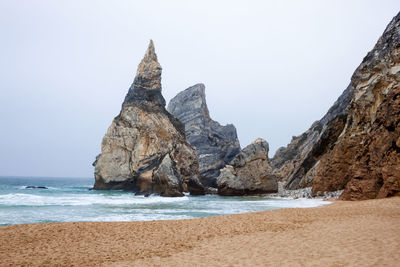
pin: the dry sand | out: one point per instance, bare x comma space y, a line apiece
365, 233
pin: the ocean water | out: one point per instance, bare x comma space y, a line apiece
70, 200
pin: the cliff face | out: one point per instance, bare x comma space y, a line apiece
248, 173
216, 145
296, 163
365, 162
356, 145
145, 149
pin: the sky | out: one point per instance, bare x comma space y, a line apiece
270, 67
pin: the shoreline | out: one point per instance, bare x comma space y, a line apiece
265, 197
341, 233
304, 193
331, 201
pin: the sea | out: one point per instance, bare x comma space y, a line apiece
71, 200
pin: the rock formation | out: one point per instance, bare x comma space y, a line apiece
216, 145
145, 149
297, 162
248, 173
365, 162
356, 145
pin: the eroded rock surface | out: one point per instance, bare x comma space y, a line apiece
249, 172
216, 145
145, 149
355, 147
296, 163
365, 162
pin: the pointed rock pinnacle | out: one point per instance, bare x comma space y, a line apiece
150, 53
148, 75
146, 88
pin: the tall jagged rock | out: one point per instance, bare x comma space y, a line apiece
145, 149
216, 145
248, 173
365, 161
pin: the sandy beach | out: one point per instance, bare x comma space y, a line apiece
365, 233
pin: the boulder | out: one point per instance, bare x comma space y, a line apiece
248, 173
35, 187
145, 149
216, 145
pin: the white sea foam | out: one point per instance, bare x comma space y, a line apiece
68, 201
290, 203
82, 199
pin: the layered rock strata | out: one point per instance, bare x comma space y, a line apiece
145, 149
355, 147
248, 173
365, 162
296, 163
216, 145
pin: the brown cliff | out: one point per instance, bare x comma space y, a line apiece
356, 145
366, 159
296, 164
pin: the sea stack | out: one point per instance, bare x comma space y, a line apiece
216, 145
145, 148
249, 172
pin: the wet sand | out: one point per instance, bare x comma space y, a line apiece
364, 233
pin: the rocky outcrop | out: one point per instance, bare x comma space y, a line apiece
145, 149
355, 147
365, 161
35, 187
248, 173
216, 145
296, 163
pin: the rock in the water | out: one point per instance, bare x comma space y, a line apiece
145, 149
216, 145
365, 161
248, 173
35, 187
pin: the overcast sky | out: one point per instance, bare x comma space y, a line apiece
270, 67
